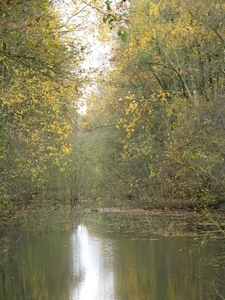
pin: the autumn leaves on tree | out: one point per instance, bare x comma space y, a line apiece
154, 126
167, 91
37, 96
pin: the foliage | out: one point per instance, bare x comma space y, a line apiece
166, 94
173, 64
37, 95
154, 125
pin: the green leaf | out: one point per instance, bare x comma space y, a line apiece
110, 21
122, 34
108, 6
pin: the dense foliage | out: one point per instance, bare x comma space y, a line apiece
154, 125
37, 94
165, 94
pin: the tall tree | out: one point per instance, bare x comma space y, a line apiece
37, 94
168, 87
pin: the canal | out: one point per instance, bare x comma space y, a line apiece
87, 257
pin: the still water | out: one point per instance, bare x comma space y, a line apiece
82, 259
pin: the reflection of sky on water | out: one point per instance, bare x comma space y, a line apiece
92, 267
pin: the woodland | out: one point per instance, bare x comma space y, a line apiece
153, 127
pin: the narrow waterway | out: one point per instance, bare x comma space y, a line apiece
81, 259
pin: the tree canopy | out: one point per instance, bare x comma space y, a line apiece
38, 94
154, 124
165, 92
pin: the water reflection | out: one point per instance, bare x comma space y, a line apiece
107, 266
89, 263
92, 267
37, 267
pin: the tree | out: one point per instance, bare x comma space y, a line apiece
168, 84
175, 56
37, 95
